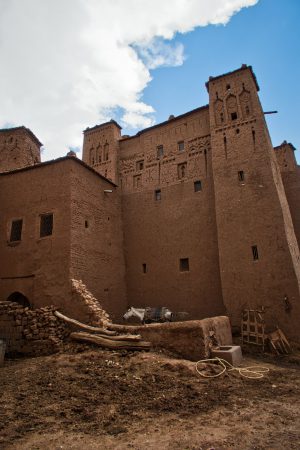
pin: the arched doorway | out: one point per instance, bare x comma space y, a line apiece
19, 298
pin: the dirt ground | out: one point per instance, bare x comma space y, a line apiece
87, 398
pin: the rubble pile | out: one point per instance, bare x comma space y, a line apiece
97, 315
30, 331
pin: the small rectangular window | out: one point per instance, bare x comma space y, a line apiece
140, 165
46, 225
184, 265
144, 268
160, 151
233, 116
181, 146
158, 194
241, 175
197, 186
16, 230
254, 252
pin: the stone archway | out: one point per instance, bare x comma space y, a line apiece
19, 298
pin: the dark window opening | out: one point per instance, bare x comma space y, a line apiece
233, 116
241, 175
253, 136
237, 131
222, 117
16, 230
158, 194
225, 146
93, 161
254, 252
140, 165
46, 225
181, 146
181, 170
137, 181
228, 87
184, 265
144, 268
86, 224
247, 109
106, 149
19, 298
160, 151
197, 186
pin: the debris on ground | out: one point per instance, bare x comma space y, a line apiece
99, 398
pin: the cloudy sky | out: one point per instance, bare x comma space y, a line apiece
70, 64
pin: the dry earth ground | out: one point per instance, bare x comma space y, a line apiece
94, 399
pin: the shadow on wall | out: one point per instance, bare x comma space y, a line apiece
19, 298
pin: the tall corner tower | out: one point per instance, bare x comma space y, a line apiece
258, 250
101, 149
19, 148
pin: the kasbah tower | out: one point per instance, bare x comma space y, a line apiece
206, 215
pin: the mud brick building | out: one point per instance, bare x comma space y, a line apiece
199, 213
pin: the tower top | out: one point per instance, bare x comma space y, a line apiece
22, 128
105, 124
243, 67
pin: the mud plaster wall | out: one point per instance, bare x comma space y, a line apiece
97, 239
101, 149
181, 224
253, 211
291, 181
190, 340
36, 267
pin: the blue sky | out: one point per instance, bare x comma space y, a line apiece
266, 36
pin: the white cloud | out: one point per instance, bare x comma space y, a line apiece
161, 53
67, 64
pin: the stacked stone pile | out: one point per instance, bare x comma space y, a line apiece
97, 316
30, 331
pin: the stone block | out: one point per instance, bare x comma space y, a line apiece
231, 354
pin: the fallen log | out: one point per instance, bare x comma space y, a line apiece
106, 342
84, 326
123, 337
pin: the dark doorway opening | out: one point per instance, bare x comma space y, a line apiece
19, 298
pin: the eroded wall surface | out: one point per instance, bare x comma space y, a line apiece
291, 181
37, 267
97, 239
259, 254
166, 220
290, 173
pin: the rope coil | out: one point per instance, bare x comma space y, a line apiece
251, 372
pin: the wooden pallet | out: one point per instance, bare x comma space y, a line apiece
253, 327
279, 343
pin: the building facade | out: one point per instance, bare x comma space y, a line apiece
199, 213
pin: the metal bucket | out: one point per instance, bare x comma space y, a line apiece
2, 351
